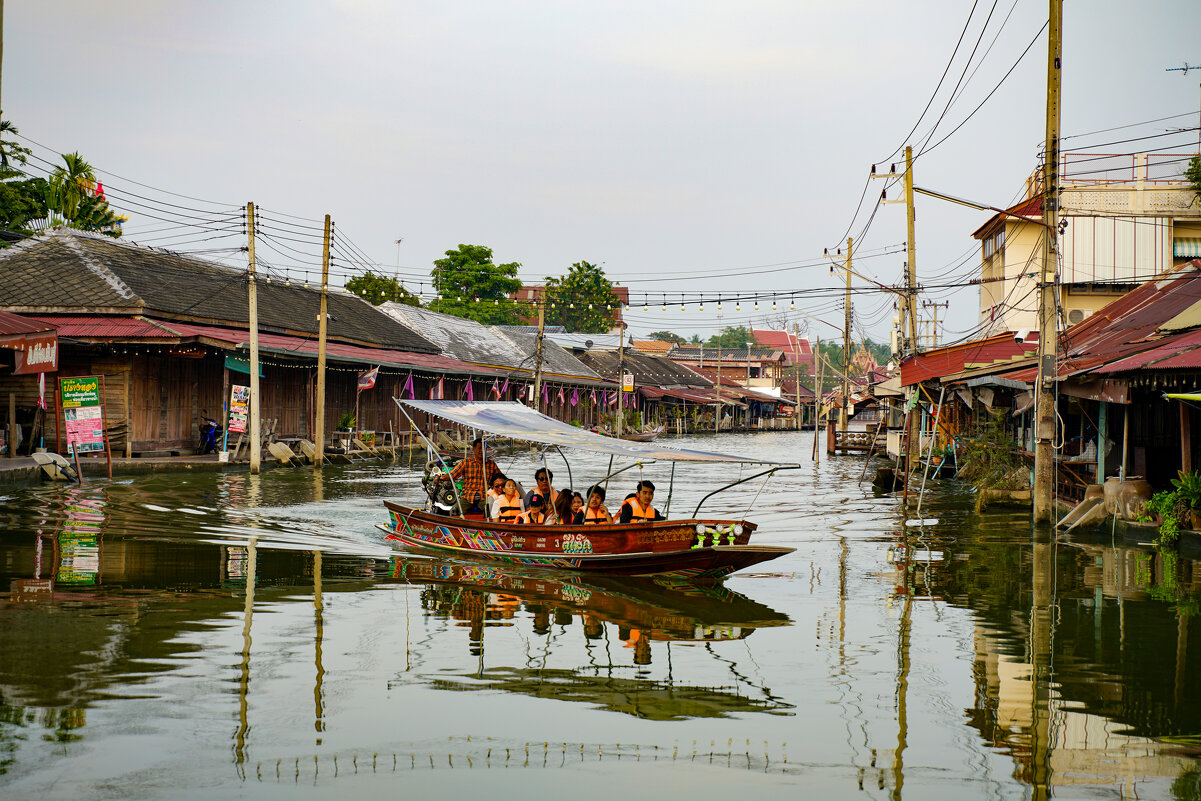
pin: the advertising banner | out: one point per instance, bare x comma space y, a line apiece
239, 409
83, 417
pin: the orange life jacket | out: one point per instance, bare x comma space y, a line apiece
640, 514
530, 515
509, 514
594, 516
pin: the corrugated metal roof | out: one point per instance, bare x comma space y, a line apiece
101, 327
997, 351
16, 324
648, 369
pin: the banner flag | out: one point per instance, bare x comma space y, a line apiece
367, 379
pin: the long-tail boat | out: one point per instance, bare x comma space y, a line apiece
691, 548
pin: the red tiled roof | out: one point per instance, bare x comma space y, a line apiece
1032, 207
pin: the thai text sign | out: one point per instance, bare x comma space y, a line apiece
38, 354
239, 403
82, 415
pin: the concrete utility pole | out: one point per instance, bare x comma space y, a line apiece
538, 351
909, 312
929, 304
253, 302
796, 352
1044, 410
322, 323
2, 53
846, 349
621, 379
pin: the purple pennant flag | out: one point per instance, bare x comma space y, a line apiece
408, 387
505, 387
545, 394
575, 397
469, 393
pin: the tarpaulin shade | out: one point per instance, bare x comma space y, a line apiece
513, 420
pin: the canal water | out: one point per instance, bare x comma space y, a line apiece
201, 635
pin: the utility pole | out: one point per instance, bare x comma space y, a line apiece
322, 322
1, 50
909, 313
796, 354
621, 379
717, 416
1044, 410
929, 304
253, 303
1183, 70
846, 348
538, 351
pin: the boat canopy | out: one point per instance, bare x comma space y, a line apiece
517, 421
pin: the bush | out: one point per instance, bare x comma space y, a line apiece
993, 460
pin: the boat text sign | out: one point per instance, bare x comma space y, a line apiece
82, 416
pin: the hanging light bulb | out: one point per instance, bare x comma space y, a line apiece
645, 308
663, 307
681, 305
756, 305
792, 304
738, 306
700, 306
773, 304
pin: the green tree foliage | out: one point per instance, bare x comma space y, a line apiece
667, 336
733, 337
581, 301
70, 184
11, 152
377, 289
22, 205
470, 285
1192, 173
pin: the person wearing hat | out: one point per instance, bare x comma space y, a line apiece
535, 515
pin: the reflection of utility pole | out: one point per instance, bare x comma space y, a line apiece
903, 662
318, 636
1041, 615
244, 676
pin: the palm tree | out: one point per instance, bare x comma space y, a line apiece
10, 150
70, 184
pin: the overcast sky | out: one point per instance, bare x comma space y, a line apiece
685, 146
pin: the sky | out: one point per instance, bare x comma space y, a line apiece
707, 148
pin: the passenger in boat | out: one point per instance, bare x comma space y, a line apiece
536, 514
596, 513
638, 509
477, 475
577, 508
563, 514
496, 491
508, 508
543, 477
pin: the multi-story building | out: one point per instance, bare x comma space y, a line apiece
1126, 218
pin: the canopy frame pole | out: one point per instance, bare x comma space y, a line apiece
610, 472
564, 457
453, 487
671, 487
743, 481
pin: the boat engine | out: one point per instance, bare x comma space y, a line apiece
441, 494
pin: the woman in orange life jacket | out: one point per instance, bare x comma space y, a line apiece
495, 491
596, 513
508, 508
536, 514
638, 509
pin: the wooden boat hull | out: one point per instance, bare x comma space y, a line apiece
642, 436
670, 548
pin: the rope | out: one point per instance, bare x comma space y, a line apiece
761, 488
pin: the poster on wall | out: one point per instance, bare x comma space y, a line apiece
239, 405
83, 417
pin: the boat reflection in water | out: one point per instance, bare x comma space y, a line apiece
643, 611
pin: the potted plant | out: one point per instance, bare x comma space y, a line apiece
1188, 496
346, 422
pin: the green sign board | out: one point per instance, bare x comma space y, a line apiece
82, 414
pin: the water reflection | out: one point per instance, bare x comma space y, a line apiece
175, 626
630, 614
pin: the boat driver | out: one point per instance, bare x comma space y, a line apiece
638, 509
477, 475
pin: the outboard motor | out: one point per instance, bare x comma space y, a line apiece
437, 485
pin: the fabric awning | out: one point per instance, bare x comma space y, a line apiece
1186, 248
516, 421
